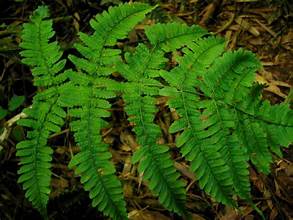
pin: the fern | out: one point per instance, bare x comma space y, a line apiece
223, 122
172, 36
45, 115
219, 135
139, 96
155, 163
263, 128
87, 100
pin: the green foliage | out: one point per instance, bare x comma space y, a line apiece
154, 161
86, 96
45, 116
223, 122
14, 103
3, 112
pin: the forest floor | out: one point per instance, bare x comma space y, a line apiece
262, 26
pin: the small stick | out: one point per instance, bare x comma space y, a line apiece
8, 124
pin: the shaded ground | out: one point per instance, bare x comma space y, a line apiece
264, 27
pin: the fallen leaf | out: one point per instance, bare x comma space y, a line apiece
230, 214
196, 217
273, 85
146, 215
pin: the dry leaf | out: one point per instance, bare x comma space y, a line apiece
230, 214
272, 85
146, 215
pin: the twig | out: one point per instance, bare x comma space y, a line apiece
227, 24
8, 124
266, 28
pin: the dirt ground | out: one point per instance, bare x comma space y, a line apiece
262, 26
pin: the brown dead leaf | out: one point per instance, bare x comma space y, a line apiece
174, 115
128, 141
127, 166
273, 214
265, 27
146, 215
76, 21
268, 196
59, 185
256, 41
227, 23
232, 34
246, 210
161, 100
61, 150
289, 170
287, 40
273, 85
256, 180
185, 171
249, 217
204, 117
125, 147
230, 214
284, 180
209, 11
245, 25
196, 217
127, 190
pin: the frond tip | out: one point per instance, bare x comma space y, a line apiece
97, 177
163, 179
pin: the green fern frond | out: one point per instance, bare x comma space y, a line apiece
232, 76
263, 128
118, 21
98, 177
196, 142
199, 55
278, 121
154, 161
87, 95
108, 28
217, 128
87, 105
212, 172
206, 136
41, 55
254, 138
217, 121
172, 36
45, 115
229, 80
158, 169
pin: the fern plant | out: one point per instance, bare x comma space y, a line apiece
87, 99
223, 121
45, 115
